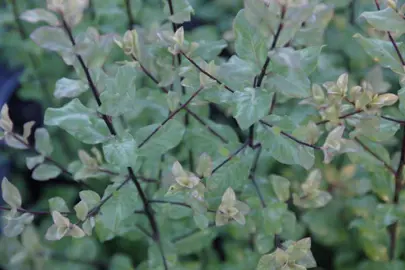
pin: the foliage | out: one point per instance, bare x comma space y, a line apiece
277, 130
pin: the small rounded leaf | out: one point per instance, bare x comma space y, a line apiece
10, 194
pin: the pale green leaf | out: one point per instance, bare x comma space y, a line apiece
43, 142
68, 88
385, 20
39, 15
382, 52
250, 44
46, 172
120, 92
168, 137
251, 105
52, 38
281, 187
121, 151
79, 121
10, 194
58, 204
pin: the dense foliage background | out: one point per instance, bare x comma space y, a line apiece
288, 145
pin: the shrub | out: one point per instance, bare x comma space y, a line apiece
256, 144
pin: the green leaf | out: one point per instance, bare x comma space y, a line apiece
309, 58
39, 15
385, 214
168, 137
90, 197
45, 172
121, 262
272, 217
201, 221
34, 161
79, 121
234, 174
10, 194
121, 151
120, 92
317, 199
43, 142
250, 44
385, 20
182, 11
123, 203
195, 242
58, 204
52, 38
381, 51
401, 95
68, 88
284, 149
281, 187
264, 243
251, 106
93, 47
81, 209
289, 75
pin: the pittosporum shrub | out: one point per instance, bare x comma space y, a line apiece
231, 144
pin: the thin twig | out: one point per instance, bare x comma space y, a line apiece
367, 149
130, 17
190, 233
33, 212
173, 114
340, 117
165, 90
273, 46
141, 193
393, 228
206, 73
252, 175
292, 137
158, 201
234, 154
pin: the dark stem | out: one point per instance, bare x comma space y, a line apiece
165, 90
366, 148
340, 117
273, 46
273, 103
392, 229
206, 73
171, 115
93, 87
176, 203
92, 10
147, 209
292, 137
33, 212
130, 16
252, 175
234, 154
